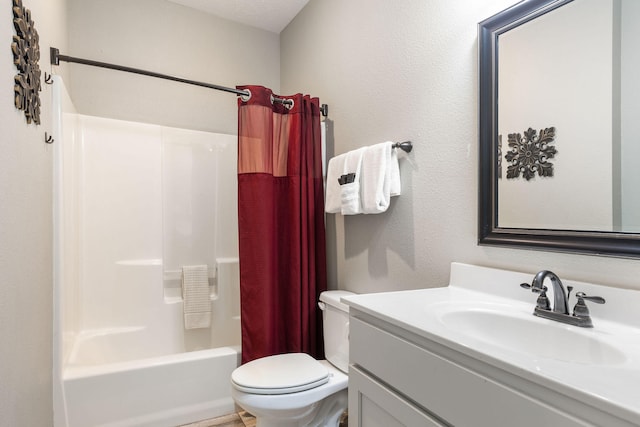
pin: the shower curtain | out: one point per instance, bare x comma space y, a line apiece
281, 224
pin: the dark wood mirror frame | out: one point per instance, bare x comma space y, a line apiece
572, 241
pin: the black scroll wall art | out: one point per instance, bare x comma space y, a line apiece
529, 153
26, 53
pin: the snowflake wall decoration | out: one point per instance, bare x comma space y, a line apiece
26, 53
529, 154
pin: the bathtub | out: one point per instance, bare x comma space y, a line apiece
161, 391
121, 354
156, 374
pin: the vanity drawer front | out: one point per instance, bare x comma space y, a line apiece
450, 391
371, 404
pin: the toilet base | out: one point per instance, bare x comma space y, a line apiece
325, 413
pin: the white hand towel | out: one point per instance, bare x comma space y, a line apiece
395, 187
351, 203
195, 296
380, 177
332, 203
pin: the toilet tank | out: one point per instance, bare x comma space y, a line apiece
335, 319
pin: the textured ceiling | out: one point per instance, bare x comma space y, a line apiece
270, 15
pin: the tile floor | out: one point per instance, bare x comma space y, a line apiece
244, 419
240, 419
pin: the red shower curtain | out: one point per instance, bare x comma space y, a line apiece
281, 224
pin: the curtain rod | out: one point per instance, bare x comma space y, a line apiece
56, 57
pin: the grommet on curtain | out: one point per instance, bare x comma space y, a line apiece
246, 98
288, 103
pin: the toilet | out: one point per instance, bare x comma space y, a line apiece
294, 389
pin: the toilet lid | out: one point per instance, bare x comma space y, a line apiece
280, 374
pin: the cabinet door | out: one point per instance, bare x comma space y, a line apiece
371, 404
455, 393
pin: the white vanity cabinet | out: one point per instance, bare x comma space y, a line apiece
411, 365
398, 379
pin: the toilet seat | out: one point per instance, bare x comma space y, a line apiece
280, 374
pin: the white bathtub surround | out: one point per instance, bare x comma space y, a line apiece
195, 296
134, 203
117, 219
195, 184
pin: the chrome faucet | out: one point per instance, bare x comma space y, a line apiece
560, 310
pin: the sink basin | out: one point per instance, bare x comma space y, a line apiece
526, 333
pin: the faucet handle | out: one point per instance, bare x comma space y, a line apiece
542, 302
581, 309
533, 288
597, 300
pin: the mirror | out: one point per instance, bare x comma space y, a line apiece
559, 132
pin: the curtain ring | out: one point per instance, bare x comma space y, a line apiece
289, 103
245, 98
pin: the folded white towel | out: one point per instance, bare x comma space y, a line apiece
380, 177
395, 186
332, 203
350, 198
195, 296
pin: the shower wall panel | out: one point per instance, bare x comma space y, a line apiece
141, 201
